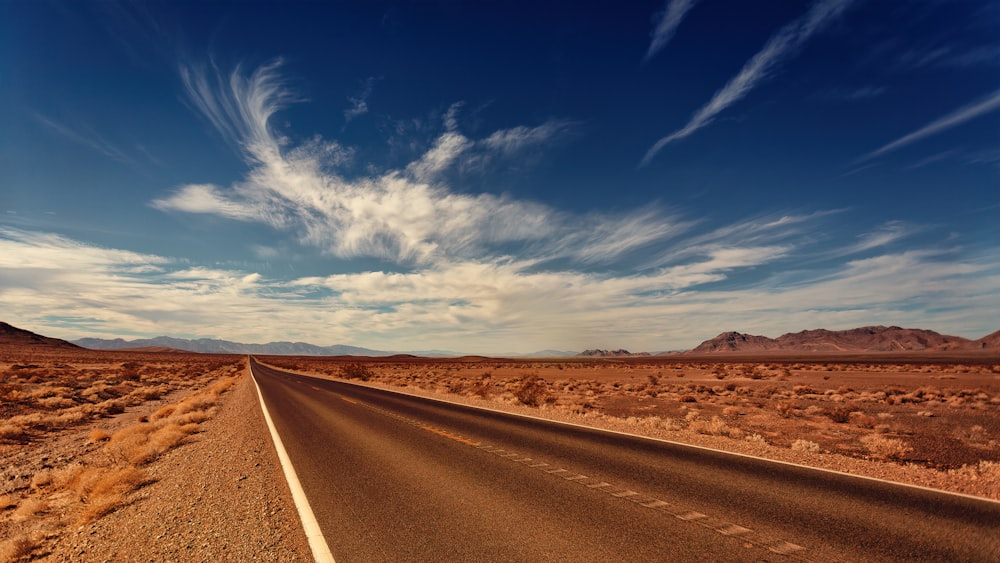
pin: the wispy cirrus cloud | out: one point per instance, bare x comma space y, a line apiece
406, 215
852, 94
953, 119
666, 24
86, 136
782, 45
359, 103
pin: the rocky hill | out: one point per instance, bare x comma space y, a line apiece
989, 342
864, 339
620, 353
13, 336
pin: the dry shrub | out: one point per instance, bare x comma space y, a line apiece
197, 402
222, 385
483, 387
94, 483
100, 507
164, 412
805, 446
715, 427
143, 443
13, 432
356, 371
43, 479
863, 420
786, 409
31, 507
840, 413
985, 473
532, 391
54, 403
882, 447
19, 548
7, 502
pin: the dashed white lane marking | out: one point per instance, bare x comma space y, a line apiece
786, 548
747, 535
688, 516
734, 530
317, 543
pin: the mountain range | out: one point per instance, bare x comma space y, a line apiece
213, 346
864, 339
869, 339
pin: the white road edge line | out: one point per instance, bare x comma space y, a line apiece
317, 543
671, 442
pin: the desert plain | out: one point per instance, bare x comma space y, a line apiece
83, 432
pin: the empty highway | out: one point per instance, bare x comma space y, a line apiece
392, 477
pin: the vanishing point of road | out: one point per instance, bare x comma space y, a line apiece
393, 477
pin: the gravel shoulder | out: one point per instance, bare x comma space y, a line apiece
220, 497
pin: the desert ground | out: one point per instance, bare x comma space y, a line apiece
80, 429
84, 434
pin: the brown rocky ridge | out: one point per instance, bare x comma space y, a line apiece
13, 336
620, 353
865, 339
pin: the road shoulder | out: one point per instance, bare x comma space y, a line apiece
221, 497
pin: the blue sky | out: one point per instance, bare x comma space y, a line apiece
498, 177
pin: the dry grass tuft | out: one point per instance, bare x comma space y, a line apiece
31, 507
7, 502
884, 448
805, 446
21, 548
715, 427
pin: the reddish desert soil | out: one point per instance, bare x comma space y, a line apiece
214, 490
129, 456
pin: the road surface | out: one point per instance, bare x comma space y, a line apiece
392, 477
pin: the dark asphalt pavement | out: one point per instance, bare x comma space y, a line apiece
393, 477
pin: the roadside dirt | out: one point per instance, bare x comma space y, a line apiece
207, 487
221, 497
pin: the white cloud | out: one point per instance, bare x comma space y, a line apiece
509, 142
889, 233
479, 306
783, 44
666, 25
406, 215
205, 198
359, 103
953, 119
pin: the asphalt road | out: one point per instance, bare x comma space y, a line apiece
393, 477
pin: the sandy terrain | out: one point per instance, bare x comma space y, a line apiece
127, 456
164, 456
